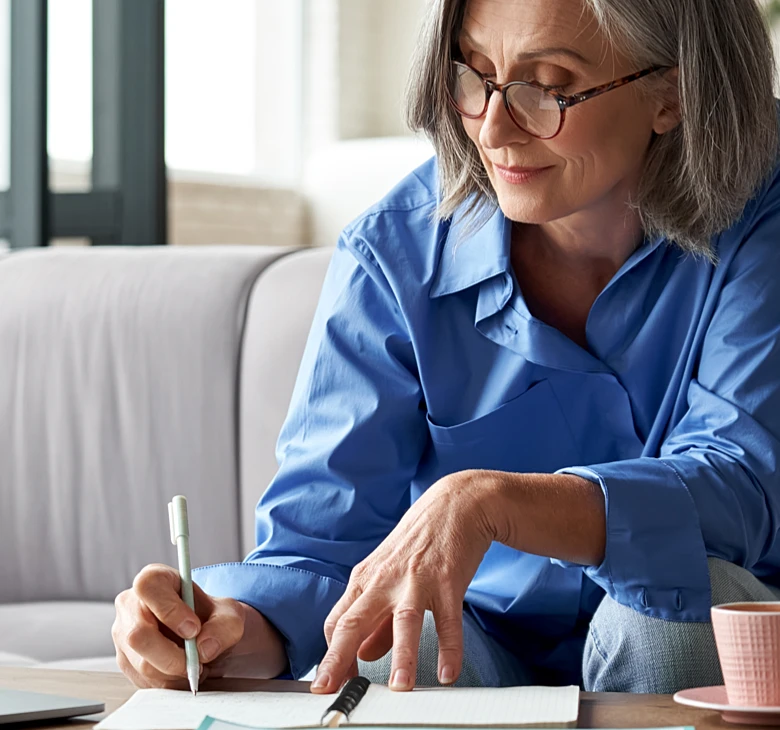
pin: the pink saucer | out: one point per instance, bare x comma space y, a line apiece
715, 698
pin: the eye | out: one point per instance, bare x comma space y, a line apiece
484, 74
552, 88
491, 76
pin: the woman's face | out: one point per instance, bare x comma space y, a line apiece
596, 160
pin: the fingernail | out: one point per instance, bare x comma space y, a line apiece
400, 679
447, 674
208, 650
188, 629
321, 680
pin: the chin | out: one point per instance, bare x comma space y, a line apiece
531, 204
532, 212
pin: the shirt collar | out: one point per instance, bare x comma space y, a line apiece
468, 258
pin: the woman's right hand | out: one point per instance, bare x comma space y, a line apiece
152, 622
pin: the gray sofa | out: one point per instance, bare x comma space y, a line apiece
128, 376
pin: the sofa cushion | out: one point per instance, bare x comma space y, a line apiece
15, 660
85, 664
118, 377
55, 630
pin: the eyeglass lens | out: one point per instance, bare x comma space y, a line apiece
536, 111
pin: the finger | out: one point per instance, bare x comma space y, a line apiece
379, 643
351, 630
143, 638
407, 627
353, 592
352, 671
133, 626
448, 618
153, 677
129, 670
158, 587
221, 631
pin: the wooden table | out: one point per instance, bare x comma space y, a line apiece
610, 710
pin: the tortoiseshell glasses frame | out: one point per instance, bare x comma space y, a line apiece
562, 102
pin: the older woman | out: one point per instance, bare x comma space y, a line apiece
536, 429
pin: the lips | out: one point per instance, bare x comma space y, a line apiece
520, 175
518, 170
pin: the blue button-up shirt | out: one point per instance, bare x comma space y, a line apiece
423, 360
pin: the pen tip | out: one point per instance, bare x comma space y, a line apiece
193, 680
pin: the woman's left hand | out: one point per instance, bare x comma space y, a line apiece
425, 563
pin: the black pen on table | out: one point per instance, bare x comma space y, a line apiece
349, 698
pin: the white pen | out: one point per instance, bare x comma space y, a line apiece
180, 537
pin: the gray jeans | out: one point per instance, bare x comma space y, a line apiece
625, 650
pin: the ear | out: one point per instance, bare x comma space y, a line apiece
667, 113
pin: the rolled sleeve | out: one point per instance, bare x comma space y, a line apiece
655, 559
712, 489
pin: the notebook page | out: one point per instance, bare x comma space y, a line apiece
477, 706
167, 709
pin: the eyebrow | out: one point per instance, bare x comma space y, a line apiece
530, 55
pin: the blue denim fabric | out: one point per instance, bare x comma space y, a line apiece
485, 662
629, 652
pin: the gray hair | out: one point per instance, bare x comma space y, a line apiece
698, 177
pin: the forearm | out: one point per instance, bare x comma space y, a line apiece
555, 515
260, 653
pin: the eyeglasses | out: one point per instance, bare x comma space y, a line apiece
534, 108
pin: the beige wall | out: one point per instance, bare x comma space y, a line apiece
376, 39
206, 213
210, 211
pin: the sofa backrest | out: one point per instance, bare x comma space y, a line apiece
118, 390
279, 316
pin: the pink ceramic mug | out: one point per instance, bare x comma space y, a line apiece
748, 640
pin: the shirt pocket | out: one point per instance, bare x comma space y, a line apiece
527, 434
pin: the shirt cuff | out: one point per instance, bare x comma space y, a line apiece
295, 601
655, 560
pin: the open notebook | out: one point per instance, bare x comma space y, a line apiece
163, 709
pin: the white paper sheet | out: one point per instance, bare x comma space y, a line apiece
159, 709
452, 706
167, 709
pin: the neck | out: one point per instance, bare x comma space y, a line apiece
599, 239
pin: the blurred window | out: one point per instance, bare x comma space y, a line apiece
69, 69
5, 92
233, 86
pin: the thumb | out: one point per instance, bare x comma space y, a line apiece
158, 588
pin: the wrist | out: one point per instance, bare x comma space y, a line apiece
496, 502
260, 653
555, 515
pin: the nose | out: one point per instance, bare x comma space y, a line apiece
498, 129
